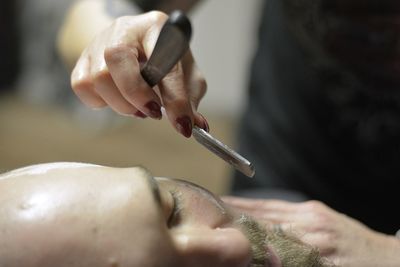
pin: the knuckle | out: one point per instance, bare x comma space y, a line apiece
92, 102
198, 86
325, 244
102, 76
157, 16
174, 76
321, 219
202, 86
113, 52
326, 250
120, 22
125, 110
118, 52
96, 104
179, 102
131, 93
176, 70
83, 87
313, 205
82, 84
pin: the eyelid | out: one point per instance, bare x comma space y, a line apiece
175, 216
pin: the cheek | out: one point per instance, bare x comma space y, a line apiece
204, 211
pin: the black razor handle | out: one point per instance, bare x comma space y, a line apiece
171, 45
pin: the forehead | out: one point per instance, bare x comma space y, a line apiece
44, 168
75, 170
72, 182
117, 202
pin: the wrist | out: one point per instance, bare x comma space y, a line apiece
394, 248
385, 251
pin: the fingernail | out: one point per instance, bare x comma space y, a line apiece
205, 126
184, 126
154, 109
140, 114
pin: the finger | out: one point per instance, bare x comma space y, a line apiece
306, 220
82, 84
174, 88
262, 205
197, 87
106, 88
123, 54
176, 102
322, 241
273, 217
122, 62
201, 122
194, 79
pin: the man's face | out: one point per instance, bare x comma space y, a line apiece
69, 214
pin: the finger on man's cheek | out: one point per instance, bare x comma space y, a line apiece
259, 204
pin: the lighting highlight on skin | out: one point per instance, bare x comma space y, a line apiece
40, 169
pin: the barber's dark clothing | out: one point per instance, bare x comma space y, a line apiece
299, 139
8, 45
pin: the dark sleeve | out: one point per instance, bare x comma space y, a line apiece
147, 5
117, 8
9, 45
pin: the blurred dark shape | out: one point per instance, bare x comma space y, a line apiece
9, 48
359, 36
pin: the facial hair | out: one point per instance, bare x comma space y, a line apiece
291, 251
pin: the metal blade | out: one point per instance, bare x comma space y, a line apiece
223, 151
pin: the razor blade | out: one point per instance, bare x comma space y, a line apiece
171, 45
223, 151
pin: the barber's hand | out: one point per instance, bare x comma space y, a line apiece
343, 240
108, 74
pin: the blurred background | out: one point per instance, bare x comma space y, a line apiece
42, 121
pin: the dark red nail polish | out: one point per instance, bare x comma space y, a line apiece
205, 126
140, 114
207, 129
184, 126
154, 109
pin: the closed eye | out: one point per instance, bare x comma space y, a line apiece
175, 217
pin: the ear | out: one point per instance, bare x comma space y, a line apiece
222, 247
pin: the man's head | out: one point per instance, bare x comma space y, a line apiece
69, 214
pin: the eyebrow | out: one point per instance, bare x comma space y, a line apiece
155, 189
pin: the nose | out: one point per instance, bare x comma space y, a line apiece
220, 247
